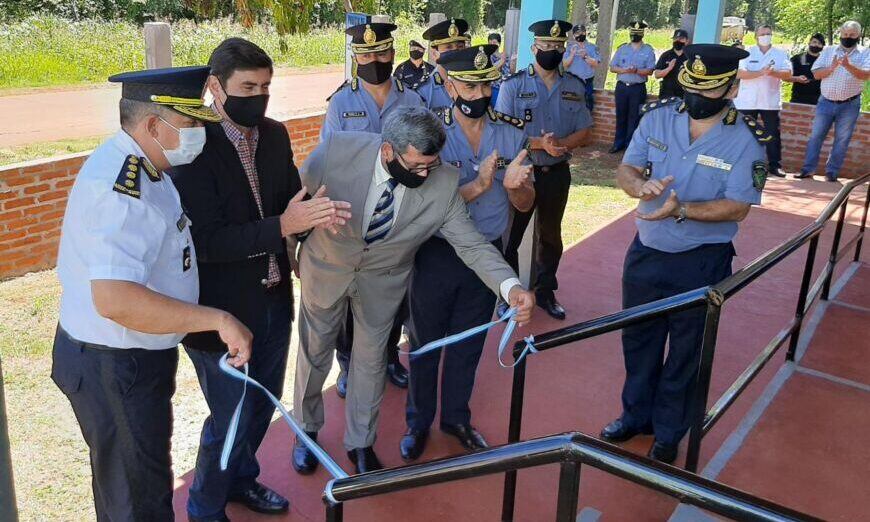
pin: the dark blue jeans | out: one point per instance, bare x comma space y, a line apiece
211, 486
843, 116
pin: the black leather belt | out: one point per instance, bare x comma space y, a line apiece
847, 100
547, 168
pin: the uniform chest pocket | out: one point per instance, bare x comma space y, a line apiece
706, 183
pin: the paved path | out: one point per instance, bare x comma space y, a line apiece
80, 113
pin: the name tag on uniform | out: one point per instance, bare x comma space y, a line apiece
528, 95
710, 161
657, 144
571, 96
353, 114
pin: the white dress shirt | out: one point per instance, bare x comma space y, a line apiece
376, 190
764, 92
842, 84
115, 236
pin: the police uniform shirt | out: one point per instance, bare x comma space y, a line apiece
123, 223
718, 165
352, 108
410, 74
626, 56
434, 93
579, 66
561, 110
762, 93
491, 210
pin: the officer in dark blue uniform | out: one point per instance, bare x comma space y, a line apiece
697, 167
447, 35
445, 296
632, 62
552, 104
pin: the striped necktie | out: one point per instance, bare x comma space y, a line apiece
382, 219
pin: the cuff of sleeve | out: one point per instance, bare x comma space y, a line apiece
272, 235
119, 273
506, 286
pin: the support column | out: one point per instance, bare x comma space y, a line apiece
531, 12
158, 45
708, 22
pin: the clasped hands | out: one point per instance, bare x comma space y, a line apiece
653, 188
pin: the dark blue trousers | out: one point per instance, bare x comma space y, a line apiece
629, 99
445, 297
660, 391
211, 486
121, 399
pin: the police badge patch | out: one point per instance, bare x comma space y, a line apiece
759, 174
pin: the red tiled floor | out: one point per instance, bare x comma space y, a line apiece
857, 292
809, 451
841, 344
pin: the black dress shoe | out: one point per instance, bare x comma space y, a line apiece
468, 436
413, 444
618, 431
615, 149
341, 384
551, 306
398, 374
803, 175
662, 452
364, 459
261, 499
779, 173
304, 461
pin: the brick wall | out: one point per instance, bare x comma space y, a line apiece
33, 199
796, 123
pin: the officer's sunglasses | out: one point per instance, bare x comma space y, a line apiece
419, 168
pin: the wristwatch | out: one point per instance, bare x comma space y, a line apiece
682, 217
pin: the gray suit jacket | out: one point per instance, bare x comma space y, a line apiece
345, 162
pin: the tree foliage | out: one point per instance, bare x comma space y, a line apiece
801, 18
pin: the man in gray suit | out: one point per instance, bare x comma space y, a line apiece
400, 196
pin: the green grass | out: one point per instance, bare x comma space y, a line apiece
50, 459
34, 151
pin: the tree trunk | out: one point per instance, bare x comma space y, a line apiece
348, 7
579, 13
607, 12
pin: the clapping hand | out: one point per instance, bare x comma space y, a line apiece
486, 172
551, 145
517, 174
670, 208
653, 188
319, 211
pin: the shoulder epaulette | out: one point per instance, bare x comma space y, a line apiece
150, 170
495, 115
730, 116
656, 104
438, 79
399, 85
129, 178
758, 132
340, 87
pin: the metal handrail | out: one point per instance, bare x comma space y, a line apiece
570, 450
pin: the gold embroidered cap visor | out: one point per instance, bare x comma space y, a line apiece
709, 66
372, 37
192, 107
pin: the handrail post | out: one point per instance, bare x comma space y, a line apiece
863, 226
569, 485
518, 391
8, 509
802, 298
835, 247
334, 511
715, 299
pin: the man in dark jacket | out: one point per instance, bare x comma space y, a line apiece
806, 88
415, 68
245, 203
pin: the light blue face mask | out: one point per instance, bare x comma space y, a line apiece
191, 140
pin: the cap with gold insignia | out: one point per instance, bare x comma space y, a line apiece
372, 37
473, 64
179, 88
709, 66
551, 30
447, 31
637, 27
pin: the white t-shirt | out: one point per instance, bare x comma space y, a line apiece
765, 92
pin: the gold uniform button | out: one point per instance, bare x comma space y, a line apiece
129, 183
134, 160
131, 175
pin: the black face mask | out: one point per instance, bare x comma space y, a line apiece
700, 107
678, 46
416, 55
636, 38
848, 43
247, 111
404, 176
549, 60
375, 72
473, 108
816, 49
580, 37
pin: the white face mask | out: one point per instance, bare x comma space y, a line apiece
765, 40
191, 140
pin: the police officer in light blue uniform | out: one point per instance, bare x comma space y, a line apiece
632, 62
128, 271
697, 167
447, 35
582, 58
552, 104
445, 296
362, 103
